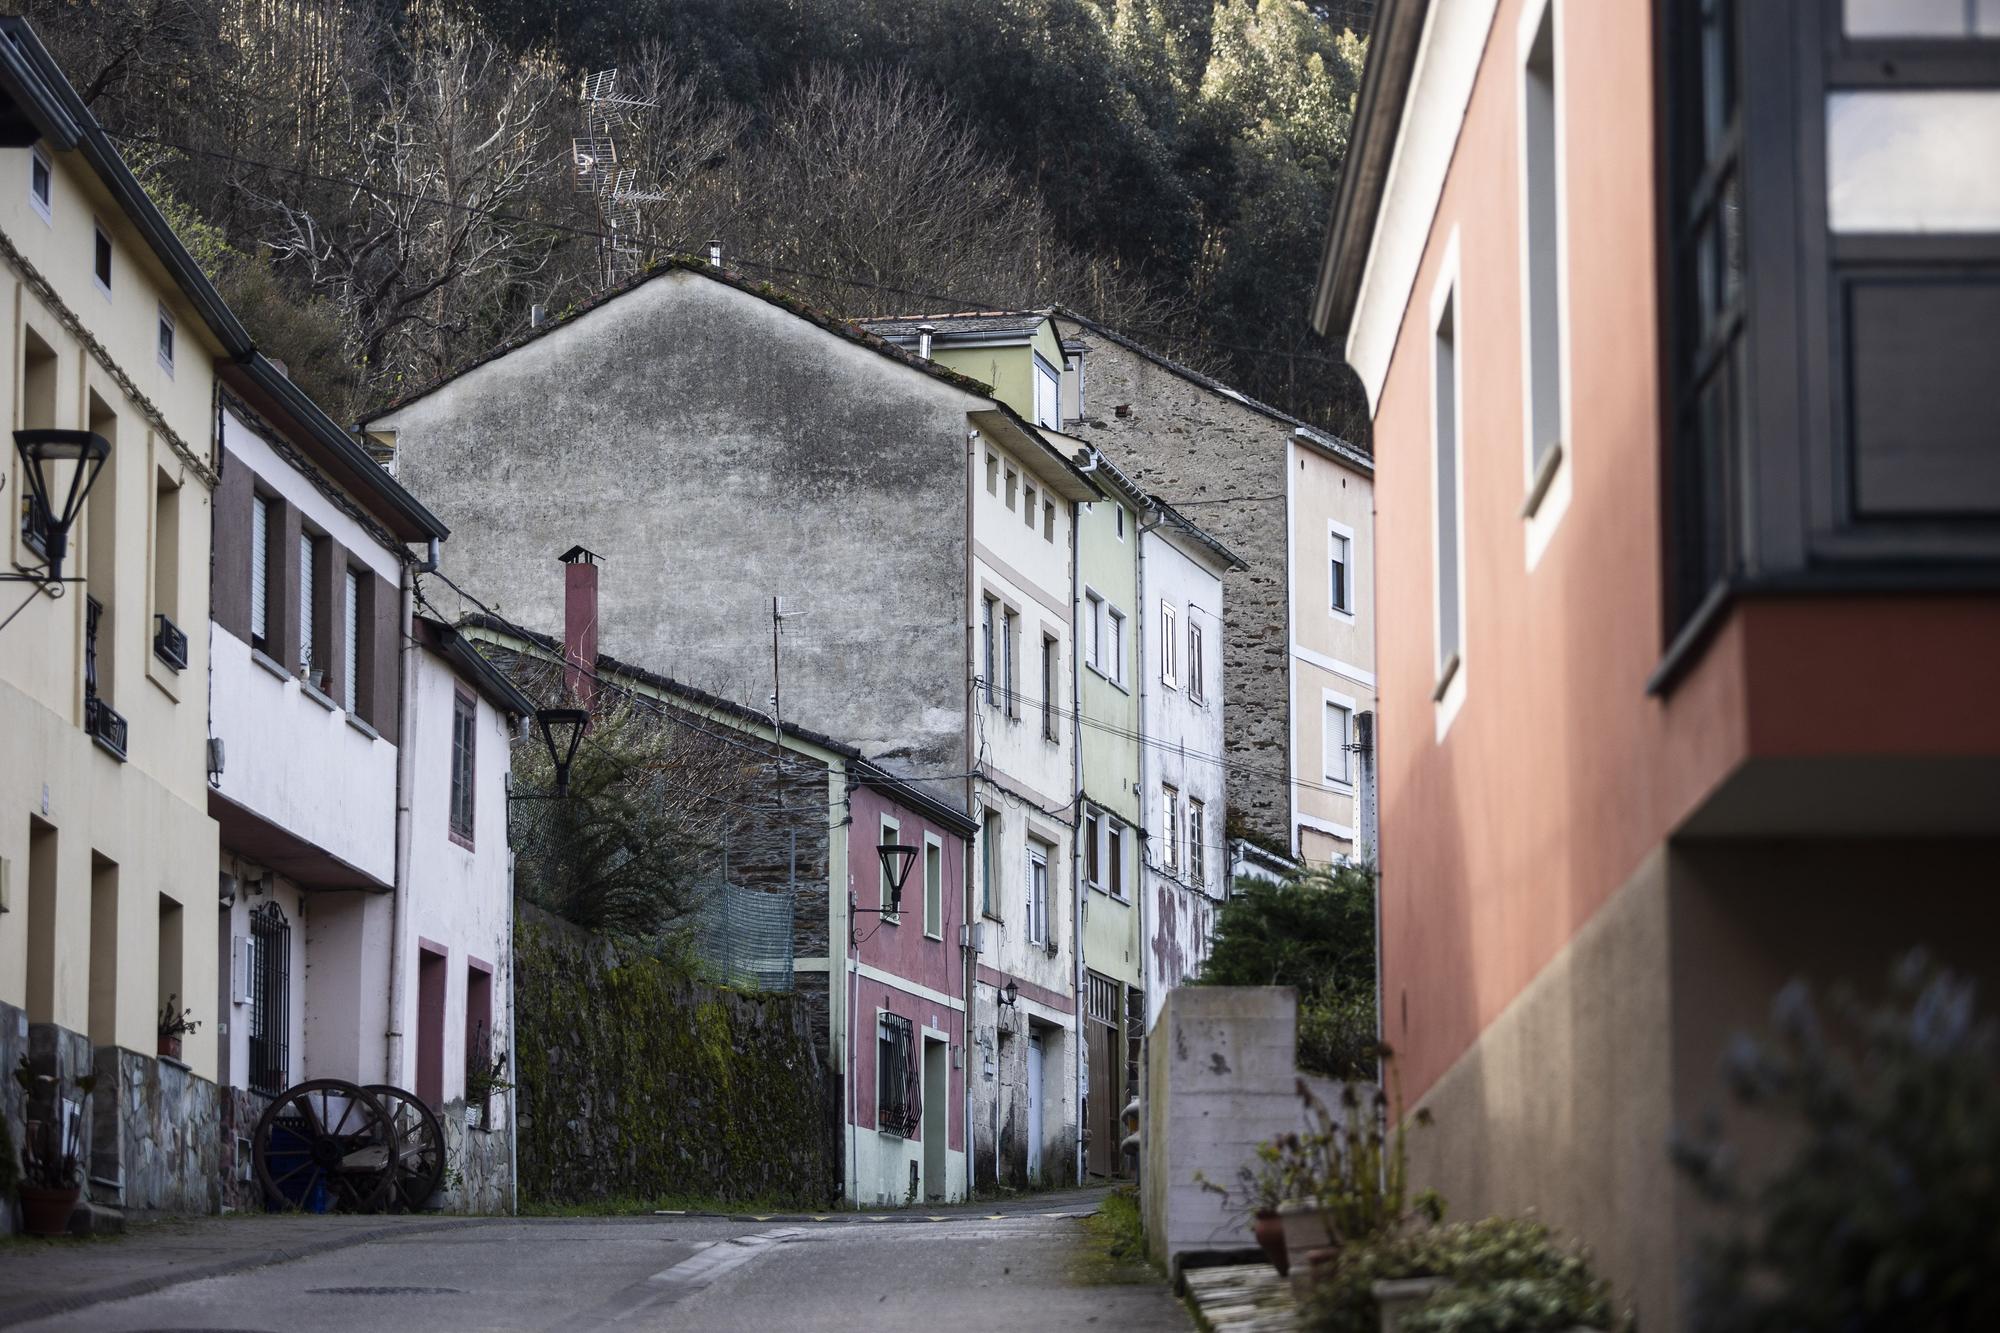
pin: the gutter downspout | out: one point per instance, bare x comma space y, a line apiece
406, 730
1079, 988
513, 1055
970, 955
1145, 841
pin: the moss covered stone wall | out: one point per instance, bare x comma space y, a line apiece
637, 1083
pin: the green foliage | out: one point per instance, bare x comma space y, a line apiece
1316, 933
1502, 1275
53, 1156
1114, 1247
1884, 1212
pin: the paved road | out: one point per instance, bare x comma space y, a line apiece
970, 1271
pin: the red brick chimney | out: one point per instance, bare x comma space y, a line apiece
580, 625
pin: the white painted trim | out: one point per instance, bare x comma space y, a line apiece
43, 207
1352, 672
888, 831
905, 985
1433, 112
1170, 628
1326, 826
933, 840
1342, 531
1540, 522
1447, 291
173, 327
1344, 786
99, 229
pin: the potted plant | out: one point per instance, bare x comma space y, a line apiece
174, 1024
1261, 1186
52, 1155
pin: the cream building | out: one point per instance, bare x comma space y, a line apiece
107, 851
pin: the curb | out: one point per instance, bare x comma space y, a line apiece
55, 1305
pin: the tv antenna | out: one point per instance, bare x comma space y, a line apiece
596, 169
779, 615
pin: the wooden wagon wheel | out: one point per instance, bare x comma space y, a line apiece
420, 1156
326, 1146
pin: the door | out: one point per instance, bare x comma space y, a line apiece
1034, 1110
431, 966
1101, 1101
937, 1107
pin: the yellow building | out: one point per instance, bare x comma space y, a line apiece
107, 851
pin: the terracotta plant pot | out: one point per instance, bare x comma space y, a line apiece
171, 1046
45, 1210
1269, 1229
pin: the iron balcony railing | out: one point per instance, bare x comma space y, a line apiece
105, 724
170, 643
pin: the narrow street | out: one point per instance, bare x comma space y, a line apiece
1014, 1268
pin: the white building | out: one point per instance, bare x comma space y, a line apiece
356, 943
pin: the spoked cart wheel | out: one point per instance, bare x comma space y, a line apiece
419, 1146
326, 1146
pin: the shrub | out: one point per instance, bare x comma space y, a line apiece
1502, 1275
1885, 1213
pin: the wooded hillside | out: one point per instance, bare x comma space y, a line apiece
384, 187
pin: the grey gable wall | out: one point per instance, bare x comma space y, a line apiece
715, 451
1184, 443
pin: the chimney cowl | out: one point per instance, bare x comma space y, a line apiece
924, 334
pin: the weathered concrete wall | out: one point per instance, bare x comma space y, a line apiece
634, 1082
686, 418
1185, 443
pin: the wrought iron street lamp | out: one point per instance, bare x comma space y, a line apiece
562, 732
896, 862
1009, 994
60, 467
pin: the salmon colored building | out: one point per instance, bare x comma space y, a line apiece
1676, 321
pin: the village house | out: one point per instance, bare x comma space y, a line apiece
801, 822
1683, 394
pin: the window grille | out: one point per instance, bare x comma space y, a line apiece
270, 1000
1101, 999
899, 1102
463, 714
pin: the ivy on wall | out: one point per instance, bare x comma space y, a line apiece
637, 1082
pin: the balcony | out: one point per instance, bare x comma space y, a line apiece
105, 724
170, 643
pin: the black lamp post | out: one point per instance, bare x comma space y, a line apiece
896, 862
52, 505
562, 732
1009, 994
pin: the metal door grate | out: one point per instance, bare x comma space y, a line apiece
270, 1000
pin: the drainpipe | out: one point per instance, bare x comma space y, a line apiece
513, 1053
406, 730
1140, 528
978, 814
1078, 986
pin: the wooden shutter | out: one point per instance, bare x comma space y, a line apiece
260, 569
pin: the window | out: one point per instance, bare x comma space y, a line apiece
1197, 831
1448, 534
1339, 548
1012, 481
1010, 644
479, 1051
1170, 829
1196, 665
992, 474
101, 260
350, 649
1888, 153
1048, 397
1922, 18
1338, 741
270, 960
1120, 510
308, 601
1093, 869
1170, 640
166, 545
41, 183
885, 889
1541, 255
1114, 857
1038, 892
1048, 520
989, 866
464, 719
988, 650
1050, 688
166, 340
1093, 632
262, 529
1114, 646
898, 1092
933, 887
1030, 506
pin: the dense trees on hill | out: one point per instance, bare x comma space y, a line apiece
386, 181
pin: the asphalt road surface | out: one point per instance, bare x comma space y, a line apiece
969, 1271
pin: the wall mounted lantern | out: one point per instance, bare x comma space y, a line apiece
1010, 995
896, 862
562, 732
60, 467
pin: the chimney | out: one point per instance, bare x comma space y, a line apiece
580, 625
537, 316
924, 332
715, 254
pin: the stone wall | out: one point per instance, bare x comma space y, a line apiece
165, 1123
1188, 444
635, 1082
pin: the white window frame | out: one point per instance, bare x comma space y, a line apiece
1093, 848
1031, 504
304, 666
43, 204
1116, 673
990, 651
992, 473
1197, 663
165, 337
1328, 701
1038, 858
1170, 829
1340, 540
103, 284
1170, 644
1048, 384
1448, 300
1120, 521
1010, 668
1051, 687
1546, 488
260, 568
1093, 638
933, 913
888, 833
1013, 485
1114, 857
350, 659
1197, 822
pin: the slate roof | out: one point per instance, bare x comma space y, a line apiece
965, 323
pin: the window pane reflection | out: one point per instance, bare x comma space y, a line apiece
1922, 18
1913, 161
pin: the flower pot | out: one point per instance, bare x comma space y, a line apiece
1394, 1300
1314, 1267
45, 1209
1305, 1226
1269, 1229
170, 1046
